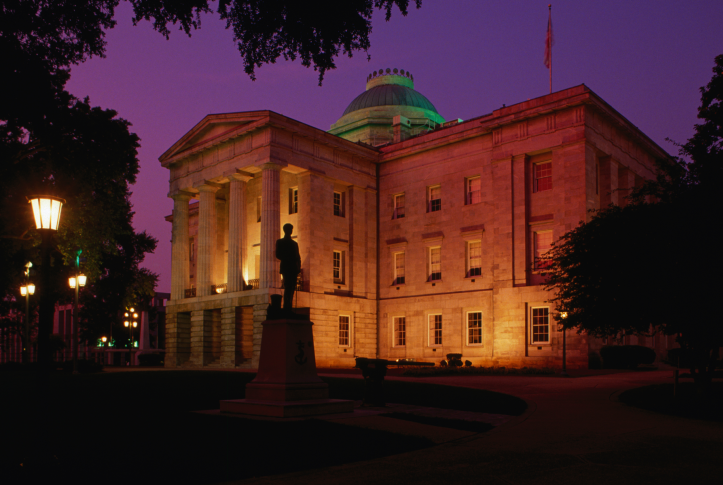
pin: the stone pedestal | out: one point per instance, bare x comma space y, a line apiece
287, 384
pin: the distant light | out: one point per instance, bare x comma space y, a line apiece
132, 309
135, 315
135, 324
125, 314
104, 339
71, 281
563, 315
135, 344
46, 210
126, 323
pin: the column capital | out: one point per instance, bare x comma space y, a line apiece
242, 177
273, 166
181, 195
207, 186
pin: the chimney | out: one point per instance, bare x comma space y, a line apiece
401, 126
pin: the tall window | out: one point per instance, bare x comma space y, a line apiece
474, 328
398, 206
543, 176
339, 204
192, 249
434, 198
435, 329
258, 209
400, 331
293, 200
344, 330
543, 243
435, 264
474, 190
399, 266
540, 325
338, 275
474, 258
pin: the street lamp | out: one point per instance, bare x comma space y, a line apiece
27, 290
130, 321
563, 316
46, 213
76, 282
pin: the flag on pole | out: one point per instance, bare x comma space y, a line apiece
549, 41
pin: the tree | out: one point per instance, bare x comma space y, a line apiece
654, 264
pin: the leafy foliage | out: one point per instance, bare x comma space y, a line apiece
316, 31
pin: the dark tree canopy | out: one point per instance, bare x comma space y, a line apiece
654, 265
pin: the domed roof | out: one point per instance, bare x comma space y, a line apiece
389, 95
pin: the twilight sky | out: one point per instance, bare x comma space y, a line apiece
647, 59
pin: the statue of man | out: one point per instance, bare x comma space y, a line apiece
287, 251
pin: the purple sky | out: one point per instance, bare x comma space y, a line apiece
646, 59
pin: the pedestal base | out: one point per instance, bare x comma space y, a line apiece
287, 384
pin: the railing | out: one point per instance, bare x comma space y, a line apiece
252, 284
218, 289
189, 293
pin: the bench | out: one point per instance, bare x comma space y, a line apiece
374, 370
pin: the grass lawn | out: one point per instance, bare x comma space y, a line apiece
688, 403
137, 427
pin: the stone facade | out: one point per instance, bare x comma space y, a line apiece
411, 249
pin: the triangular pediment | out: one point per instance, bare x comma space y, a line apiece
211, 130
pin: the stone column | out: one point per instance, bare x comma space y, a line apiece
236, 232
270, 222
179, 248
206, 239
221, 232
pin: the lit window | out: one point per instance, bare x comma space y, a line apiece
543, 176
543, 243
258, 209
339, 204
474, 328
398, 206
399, 262
540, 325
435, 198
474, 192
474, 258
337, 267
293, 200
400, 331
435, 329
435, 264
344, 330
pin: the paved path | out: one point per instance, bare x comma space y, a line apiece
575, 431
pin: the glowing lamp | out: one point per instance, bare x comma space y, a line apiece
126, 323
135, 315
23, 290
135, 324
219, 290
31, 288
125, 314
46, 210
82, 280
104, 339
132, 310
563, 315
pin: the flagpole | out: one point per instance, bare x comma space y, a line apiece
549, 6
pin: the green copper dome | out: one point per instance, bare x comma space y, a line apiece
389, 95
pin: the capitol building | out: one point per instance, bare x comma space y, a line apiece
419, 236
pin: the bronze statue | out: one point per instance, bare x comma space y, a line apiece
287, 251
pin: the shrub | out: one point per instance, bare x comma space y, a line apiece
467, 363
150, 359
593, 360
455, 360
443, 363
626, 356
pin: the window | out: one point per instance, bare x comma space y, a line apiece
434, 195
257, 265
344, 330
473, 190
293, 200
399, 269
435, 264
191, 248
474, 328
258, 209
338, 265
400, 331
543, 176
540, 325
474, 258
339, 204
398, 206
435, 329
543, 243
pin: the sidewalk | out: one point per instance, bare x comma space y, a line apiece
574, 431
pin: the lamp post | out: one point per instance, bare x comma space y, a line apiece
130, 321
76, 282
46, 212
27, 290
563, 316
